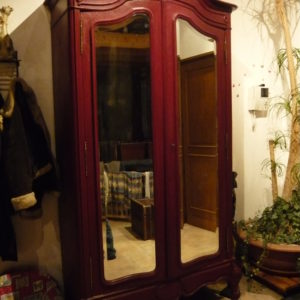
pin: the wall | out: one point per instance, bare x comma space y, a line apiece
38, 240
254, 52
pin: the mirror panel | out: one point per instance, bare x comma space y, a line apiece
198, 144
125, 143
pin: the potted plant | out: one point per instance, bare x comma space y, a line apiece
271, 240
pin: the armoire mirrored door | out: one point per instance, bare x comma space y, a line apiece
125, 144
127, 107
196, 168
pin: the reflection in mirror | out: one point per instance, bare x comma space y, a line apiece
125, 143
198, 148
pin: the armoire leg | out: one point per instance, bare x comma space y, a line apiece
233, 282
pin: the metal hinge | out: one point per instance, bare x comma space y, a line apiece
228, 242
91, 272
81, 36
226, 146
225, 51
85, 158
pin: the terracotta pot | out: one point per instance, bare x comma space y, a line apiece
280, 259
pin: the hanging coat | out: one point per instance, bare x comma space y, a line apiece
26, 158
8, 247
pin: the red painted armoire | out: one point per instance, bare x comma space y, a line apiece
143, 132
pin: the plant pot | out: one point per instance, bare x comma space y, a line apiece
280, 259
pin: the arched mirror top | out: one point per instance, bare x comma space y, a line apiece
213, 13
202, 28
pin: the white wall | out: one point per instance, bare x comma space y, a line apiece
253, 63
22, 10
38, 240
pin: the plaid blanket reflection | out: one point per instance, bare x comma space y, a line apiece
126, 185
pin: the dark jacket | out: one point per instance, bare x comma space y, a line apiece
26, 158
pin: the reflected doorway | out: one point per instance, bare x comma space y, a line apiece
198, 148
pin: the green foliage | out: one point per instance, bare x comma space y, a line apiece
280, 140
284, 105
268, 164
279, 223
282, 58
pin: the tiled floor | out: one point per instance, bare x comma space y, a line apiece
250, 290
135, 255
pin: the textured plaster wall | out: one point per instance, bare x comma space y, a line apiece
38, 240
253, 63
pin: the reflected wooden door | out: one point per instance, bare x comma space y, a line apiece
199, 140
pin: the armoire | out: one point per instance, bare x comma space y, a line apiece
142, 99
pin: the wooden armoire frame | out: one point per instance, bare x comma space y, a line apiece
73, 25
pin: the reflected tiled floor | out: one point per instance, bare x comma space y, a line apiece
135, 255
197, 242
